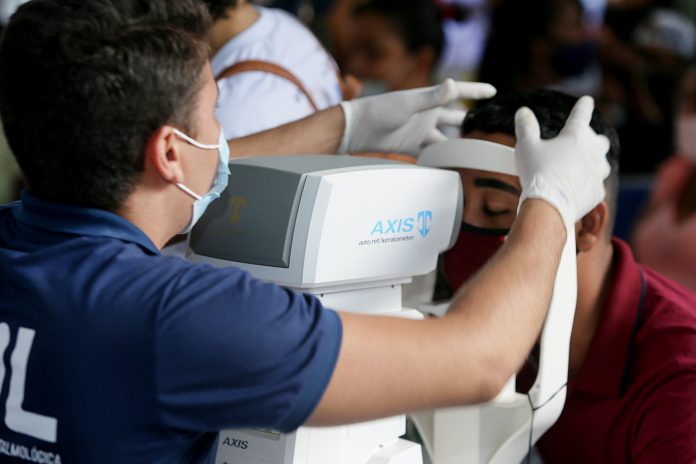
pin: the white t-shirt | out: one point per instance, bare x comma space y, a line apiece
253, 101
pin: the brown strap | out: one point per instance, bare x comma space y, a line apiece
267, 67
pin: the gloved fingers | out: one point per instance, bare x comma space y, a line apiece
474, 90
433, 136
431, 97
448, 91
604, 146
450, 117
581, 114
526, 126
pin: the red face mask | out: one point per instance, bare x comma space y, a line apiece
474, 247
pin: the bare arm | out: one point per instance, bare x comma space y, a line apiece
389, 365
395, 122
320, 132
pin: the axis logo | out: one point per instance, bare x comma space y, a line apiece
425, 219
236, 443
404, 225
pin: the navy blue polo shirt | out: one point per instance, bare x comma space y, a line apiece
112, 353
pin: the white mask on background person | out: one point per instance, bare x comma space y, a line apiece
372, 87
686, 136
219, 183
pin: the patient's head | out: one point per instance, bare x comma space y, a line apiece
491, 199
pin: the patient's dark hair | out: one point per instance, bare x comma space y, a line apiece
84, 84
551, 109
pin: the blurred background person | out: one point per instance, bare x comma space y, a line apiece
646, 49
396, 44
270, 68
541, 43
466, 24
665, 236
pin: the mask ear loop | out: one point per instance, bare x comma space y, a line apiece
198, 144
194, 142
188, 191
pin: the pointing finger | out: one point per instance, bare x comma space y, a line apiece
581, 114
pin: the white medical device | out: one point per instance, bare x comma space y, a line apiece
349, 230
504, 430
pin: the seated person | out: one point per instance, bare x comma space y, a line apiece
632, 366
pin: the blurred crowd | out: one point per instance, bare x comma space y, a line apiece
636, 57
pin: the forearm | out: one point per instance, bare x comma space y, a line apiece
318, 133
502, 309
388, 365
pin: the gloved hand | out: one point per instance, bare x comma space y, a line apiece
567, 171
405, 121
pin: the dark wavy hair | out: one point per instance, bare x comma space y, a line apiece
84, 84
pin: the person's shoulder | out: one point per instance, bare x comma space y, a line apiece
667, 332
187, 282
252, 102
670, 179
6, 212
7, 207
285, 19
290, 35
667, 297
128, 262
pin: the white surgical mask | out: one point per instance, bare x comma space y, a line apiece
219, 183
686, 136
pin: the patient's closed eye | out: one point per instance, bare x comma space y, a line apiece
495, 211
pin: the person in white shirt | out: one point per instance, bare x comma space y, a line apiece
270, 69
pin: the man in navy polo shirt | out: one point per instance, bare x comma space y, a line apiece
114, 353
631, 391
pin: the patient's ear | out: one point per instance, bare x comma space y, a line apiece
591, 229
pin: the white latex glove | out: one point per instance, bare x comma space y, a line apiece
567, 171
406, 121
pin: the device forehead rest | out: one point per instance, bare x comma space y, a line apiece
470, 154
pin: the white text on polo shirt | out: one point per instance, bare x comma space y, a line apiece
17, 419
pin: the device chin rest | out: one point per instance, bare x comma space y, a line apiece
503, 430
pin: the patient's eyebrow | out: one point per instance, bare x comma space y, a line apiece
485, 182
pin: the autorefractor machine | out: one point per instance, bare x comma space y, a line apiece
352, 231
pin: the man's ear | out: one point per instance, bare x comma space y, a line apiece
163, 155
591, 229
